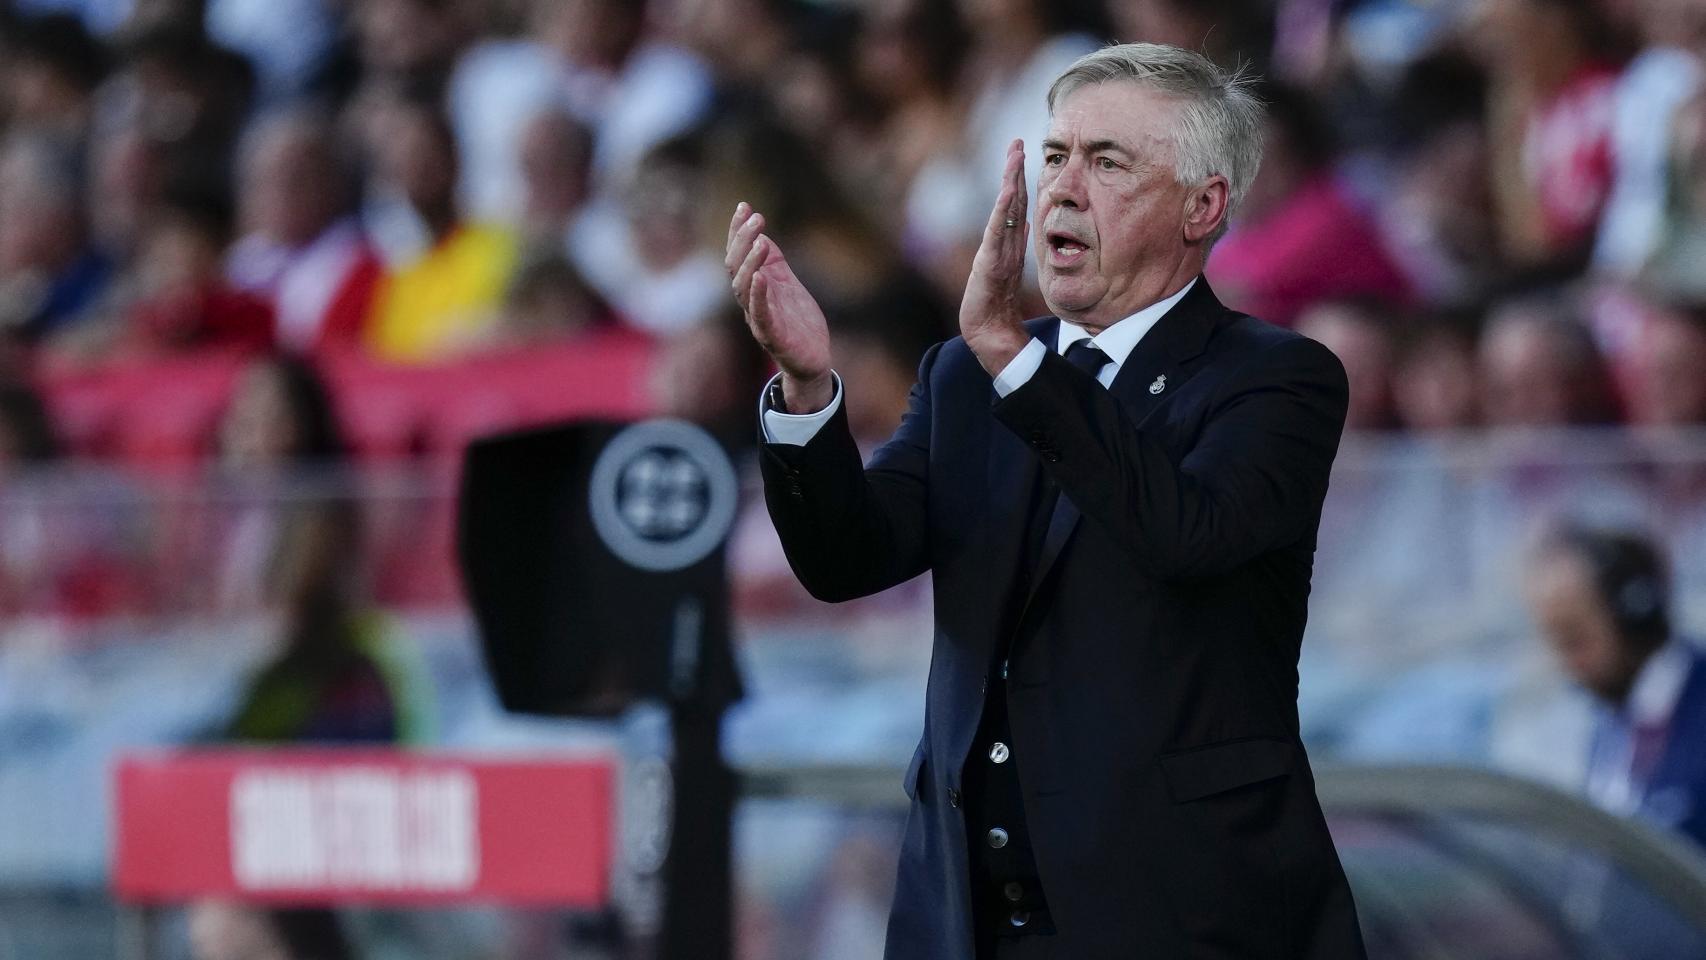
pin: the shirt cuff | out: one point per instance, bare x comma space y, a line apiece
1020, 369
795, 429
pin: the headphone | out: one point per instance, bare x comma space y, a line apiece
1629, 573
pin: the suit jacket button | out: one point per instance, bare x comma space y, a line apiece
1052, 456
953, 798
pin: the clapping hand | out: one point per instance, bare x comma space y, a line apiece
990, 317
781, 314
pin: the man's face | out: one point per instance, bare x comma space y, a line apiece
1110, 231
1668, 389
1526, 379
289, 190
1578, 626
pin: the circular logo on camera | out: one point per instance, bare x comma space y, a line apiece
663, 495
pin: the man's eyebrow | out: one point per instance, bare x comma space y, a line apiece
1094, 146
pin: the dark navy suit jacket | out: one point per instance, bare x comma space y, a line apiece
1153, 680
1675, 793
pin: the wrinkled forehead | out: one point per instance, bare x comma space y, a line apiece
1127, 112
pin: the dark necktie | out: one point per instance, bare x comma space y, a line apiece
1089, 358
1086, 356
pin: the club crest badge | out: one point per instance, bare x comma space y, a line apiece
1159, 385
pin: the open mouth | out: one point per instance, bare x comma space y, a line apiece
1064, 248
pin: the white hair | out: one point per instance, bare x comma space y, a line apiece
1220, 120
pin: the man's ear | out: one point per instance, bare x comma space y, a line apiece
1205, 208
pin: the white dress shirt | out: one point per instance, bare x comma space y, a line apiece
1117, 341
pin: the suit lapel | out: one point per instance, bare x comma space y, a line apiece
1152, 373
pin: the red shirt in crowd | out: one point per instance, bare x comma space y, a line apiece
1319, 244
1567, 155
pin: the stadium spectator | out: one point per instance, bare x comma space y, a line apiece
1302, 236
739, 39
837, 245
409, 45
1653, 87
907, 60
295, 547
1434, 386
556, 173
182, 301
646, 255
1602, 601
447, 297
49, 71
813, 92
637, 89
50, 277
293, 543
1539, 366
1665, 383
1359, 334
1552, 76
1674, 267
187, 96
591, 58
127, 178
303, 250
1437, 215
549, 300
279, 418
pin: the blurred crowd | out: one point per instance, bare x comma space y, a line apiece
1493, 210
305, 215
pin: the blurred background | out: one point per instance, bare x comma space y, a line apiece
266, 266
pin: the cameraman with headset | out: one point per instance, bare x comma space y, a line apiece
1601, 599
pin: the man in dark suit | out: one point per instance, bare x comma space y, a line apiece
1601, 598
1119, 505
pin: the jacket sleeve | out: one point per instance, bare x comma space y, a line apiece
1253, 481
851, 530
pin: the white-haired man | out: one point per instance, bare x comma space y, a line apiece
1119, 506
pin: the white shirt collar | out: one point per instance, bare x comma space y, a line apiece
1653, 697
1121, 338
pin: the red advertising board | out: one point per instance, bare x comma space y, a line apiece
326, 826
